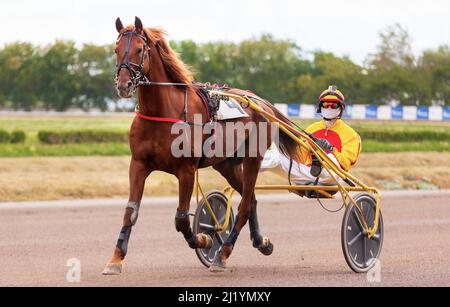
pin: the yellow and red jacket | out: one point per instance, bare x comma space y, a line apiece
345, 140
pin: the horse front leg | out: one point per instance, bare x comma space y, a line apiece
139, 172
186, 179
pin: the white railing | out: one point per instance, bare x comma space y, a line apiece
372, 112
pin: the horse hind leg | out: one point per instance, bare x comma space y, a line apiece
232, 170
250, 172
261, 243
138, 174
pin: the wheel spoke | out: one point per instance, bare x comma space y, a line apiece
370, 217
376, 237
360, 224
364, 250
222, 220
211, 253
353, 241
219, 238
207, 226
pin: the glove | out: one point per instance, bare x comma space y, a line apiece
325, 145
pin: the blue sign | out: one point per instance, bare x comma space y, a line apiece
348, 112
422, 113
371, 111
294, 110
446, 113
397, 112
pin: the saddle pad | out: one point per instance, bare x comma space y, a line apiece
230, 109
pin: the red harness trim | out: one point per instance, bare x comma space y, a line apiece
159, 119
172, 120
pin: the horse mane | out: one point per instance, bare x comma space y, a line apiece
178, 71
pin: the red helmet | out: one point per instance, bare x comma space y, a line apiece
332, 94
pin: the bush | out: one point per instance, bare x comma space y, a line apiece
82, 137
17, 137
4, 136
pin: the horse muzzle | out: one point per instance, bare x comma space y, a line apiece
125, 89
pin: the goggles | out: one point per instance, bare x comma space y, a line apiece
330, 105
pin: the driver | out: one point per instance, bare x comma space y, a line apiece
334, 136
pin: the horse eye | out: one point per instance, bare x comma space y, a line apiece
139, 50
116, 51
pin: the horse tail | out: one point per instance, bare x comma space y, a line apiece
287, 145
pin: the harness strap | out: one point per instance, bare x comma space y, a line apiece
159, 119
173, 120
202, 161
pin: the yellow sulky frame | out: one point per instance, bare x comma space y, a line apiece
304, 140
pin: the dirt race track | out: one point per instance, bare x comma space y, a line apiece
37, 239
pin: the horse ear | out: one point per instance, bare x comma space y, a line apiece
119, 25
138, 25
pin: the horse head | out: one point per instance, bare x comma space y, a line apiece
133, 58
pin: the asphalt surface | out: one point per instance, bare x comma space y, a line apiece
37, 240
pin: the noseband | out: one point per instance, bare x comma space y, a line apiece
136, 71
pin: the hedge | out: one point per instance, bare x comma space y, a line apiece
17, 137
99, 136
82, 137
14, 137
4, 136
394, 135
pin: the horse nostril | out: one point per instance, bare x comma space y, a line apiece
129, 84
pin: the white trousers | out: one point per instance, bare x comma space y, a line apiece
274, 160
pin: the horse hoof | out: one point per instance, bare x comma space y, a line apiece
204, 241
218, 264
266, 247
216, 268
112, 269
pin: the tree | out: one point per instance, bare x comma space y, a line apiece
328, 69
395, 49
94, 75
57, 76
190, 53
217, 63
434, 67
392, 74
60, 76
269, 67
17, 73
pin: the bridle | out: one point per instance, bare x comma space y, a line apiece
137, 74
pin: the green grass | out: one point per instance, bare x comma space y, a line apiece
399, 142
69, 150
427, 146
34, 124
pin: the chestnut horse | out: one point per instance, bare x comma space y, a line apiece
166, 94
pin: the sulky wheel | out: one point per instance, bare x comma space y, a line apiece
204, 223
360, 252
